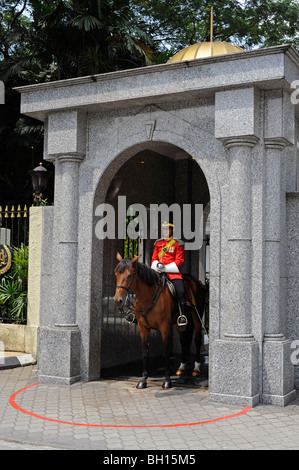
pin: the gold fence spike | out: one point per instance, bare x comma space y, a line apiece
12, 212
1, 212
19, 212
25, 211
6, 212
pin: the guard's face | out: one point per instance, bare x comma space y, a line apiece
167, 232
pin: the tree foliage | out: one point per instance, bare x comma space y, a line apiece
45, 40
253, 23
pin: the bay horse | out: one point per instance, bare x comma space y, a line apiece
155, 308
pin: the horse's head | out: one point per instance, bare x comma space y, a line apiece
125, 273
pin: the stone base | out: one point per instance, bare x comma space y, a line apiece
235, 399
278, 373
59, 355
234, 372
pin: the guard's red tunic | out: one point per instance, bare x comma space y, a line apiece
175, 254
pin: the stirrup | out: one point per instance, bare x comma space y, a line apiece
130, 317
182, 320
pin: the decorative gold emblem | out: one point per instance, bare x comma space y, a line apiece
5, 258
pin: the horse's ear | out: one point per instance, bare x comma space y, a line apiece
118, 257
135, 259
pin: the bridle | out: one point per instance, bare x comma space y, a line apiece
128, 289
128, 303
131, 307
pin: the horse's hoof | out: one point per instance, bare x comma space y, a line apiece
167, 384
195, 373
179, 372
141, 385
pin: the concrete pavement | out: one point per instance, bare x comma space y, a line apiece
113, 415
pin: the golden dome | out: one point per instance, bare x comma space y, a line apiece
205, 49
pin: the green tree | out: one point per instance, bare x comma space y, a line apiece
174, 24
43, 40
19, 139
85, 37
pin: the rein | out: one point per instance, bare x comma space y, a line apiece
144, 311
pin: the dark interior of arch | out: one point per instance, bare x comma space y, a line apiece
164, 175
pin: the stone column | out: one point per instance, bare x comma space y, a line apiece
272, 217
278, 371
59, 339
234, 356
68, 240
240, 238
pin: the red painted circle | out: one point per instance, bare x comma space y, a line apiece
30, 413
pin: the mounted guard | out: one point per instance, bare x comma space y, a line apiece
168, 256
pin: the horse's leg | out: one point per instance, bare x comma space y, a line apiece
197, 339
185, 340
165, 332
144, 335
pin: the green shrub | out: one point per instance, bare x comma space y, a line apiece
13, 288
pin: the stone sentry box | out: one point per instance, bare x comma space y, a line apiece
234, 115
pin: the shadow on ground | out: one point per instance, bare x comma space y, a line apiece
133, 371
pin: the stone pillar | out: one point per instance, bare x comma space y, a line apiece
68, 240
240, 238
272, 217
234, 356
278, 371
59, 339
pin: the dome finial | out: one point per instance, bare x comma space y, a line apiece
211, 30
211, 25
209, 48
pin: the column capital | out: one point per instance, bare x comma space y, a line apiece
276, 143
240, 141
70, 158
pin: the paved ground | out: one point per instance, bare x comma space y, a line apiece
102, 409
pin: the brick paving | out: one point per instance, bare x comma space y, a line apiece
106, 403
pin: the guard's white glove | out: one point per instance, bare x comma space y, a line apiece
171, 268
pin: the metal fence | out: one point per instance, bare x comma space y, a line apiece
14, 239
14, 225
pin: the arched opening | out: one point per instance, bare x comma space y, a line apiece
155, 174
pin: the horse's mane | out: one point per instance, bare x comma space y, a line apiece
146, 274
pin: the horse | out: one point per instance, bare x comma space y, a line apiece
156, 308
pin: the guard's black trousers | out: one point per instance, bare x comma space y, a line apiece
180, 290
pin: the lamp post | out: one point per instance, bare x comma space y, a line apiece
39, 178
